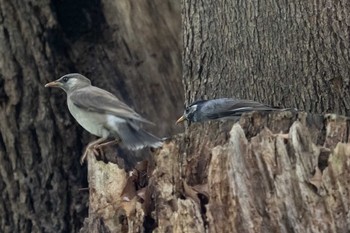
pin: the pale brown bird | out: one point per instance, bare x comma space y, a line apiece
104, 115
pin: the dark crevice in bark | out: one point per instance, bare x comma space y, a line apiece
76, 225
55, 39
322, 136
149, 224
80, 17
204, 200
37, 157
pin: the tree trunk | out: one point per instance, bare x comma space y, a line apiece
282, 172
217, 177
290, 54
117, 46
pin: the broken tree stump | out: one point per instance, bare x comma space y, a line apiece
281, 172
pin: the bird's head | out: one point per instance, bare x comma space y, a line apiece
70, 82
191, 112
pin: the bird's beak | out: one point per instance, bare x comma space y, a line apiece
53, 84
181, 119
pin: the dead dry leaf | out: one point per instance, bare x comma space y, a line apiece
129, 191
129, 206
195, 192
316, 180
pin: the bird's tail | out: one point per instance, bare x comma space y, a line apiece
137, 138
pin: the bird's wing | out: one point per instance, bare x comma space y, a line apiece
232, 107
98, 100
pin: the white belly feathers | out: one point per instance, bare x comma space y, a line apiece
89, 122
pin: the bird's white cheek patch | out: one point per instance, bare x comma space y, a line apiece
194, 107
72, 82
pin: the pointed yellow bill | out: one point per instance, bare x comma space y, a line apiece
181, 119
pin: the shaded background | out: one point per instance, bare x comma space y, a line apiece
131, 48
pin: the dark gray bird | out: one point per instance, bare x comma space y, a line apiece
104, 115
204, 110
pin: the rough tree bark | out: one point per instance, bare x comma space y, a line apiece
254, 179
288, 54
285, 54
293, 53
116, 44
217, 177
249, 177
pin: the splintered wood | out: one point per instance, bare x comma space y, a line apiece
283, 172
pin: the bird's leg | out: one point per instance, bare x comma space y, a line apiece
100, 146
91, 148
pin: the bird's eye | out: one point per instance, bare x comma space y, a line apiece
65, 79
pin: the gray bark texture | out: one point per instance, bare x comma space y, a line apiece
284, 53
278, 172
287, 54
129, 48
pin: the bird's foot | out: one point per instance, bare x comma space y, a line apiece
91, 148
87, 151
98, 151
83, 157
99, 147
96, 148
